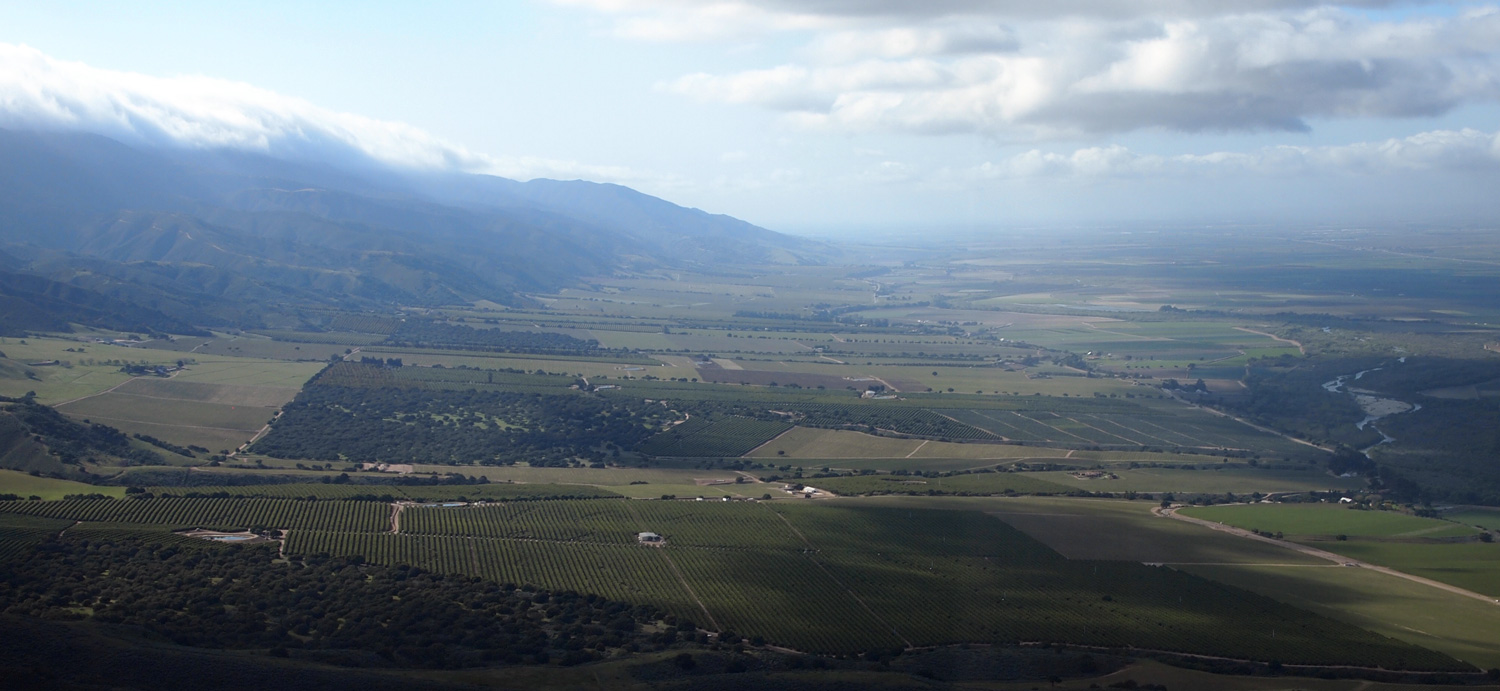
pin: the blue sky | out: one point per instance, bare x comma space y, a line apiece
826, 116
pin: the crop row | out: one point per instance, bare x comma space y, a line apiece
972, 484
222, 513
476, 492
558, 521
629, 573
852, 578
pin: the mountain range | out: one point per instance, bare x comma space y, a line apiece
98, 232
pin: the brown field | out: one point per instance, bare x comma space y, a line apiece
215, 416
802, 379
829, 444
230, 394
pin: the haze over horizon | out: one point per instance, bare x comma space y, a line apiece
824, 117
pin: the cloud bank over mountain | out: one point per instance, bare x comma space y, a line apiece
1075, 93
38, 91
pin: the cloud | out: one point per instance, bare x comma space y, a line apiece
1081, 68
906, 42
40, 92
1464, 151
704, 19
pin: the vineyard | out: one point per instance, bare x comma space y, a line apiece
840, 579
727, 437
226, 514
1170, 428
18, 533
814, 576
629, 573
389, 493
975, 484
554, 521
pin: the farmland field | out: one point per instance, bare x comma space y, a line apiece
1328, 520
19, 533
1441, 550
860, 579
1385, 604
24, 485
183, 421
746, 541
1125, 531
475, 492
213, 513
603, 477
1485, 517
806, 442
981, 483
1238, 480
946, 520
1470, 565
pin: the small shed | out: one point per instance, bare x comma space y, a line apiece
649, 538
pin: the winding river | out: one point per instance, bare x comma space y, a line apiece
1374, 406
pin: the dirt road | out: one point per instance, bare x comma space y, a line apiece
1322, 554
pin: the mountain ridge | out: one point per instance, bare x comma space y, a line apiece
195, 235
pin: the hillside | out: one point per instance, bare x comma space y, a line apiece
178, 238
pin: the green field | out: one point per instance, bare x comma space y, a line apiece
87, 374
1239, 480
1127, 531
226, 514
1470, 565
1481, 516
867, 583
604, 477
464, 493
182, 421
1123, 530
25, 485
720, 380
1385, 604
830, 577
981, 483
1440, 550
1328, 520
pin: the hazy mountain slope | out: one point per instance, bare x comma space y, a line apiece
662, 229
33, 303
217, 237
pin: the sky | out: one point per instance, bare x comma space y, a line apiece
843, 118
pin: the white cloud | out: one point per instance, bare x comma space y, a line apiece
712, 18
907, 42
1080, 67
1452, 151
40, 92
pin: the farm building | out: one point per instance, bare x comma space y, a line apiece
649, 538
